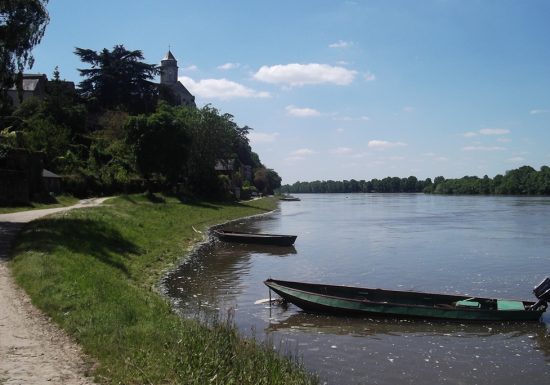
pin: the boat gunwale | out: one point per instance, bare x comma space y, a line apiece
255, 235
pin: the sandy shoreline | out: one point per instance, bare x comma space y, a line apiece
33, 350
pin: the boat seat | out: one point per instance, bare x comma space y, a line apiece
468, 304
510, 305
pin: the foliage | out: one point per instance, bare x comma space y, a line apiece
22, 26
92, 271
522, 181
52, 125
118, 79
161, 143
217, 140
386, 185
267, 180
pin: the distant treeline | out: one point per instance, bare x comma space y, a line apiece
522, 181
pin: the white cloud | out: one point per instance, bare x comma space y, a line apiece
369, 76
302, 74
339, 130
486, 132
435, 157
300, 154
383, 144
516, 159
494, 131
408, 109
229, 66
483, 148
538, 111
220, 89
303, 152
341, 44
341, 151
302, 112
504, 140
262, 137
351, 119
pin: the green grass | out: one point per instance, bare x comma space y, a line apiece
60, 201
94, 271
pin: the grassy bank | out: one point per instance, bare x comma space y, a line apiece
92, 271
59, 201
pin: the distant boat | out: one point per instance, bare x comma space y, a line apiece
289, 198
348, 301
258, 238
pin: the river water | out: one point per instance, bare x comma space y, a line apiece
478, 245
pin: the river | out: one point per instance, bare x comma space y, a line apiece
475, 245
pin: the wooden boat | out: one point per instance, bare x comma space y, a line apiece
258, 238
289, 198
346, 300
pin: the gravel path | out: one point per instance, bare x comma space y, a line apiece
33, 350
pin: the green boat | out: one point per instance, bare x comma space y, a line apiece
355, 301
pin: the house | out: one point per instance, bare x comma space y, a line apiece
33, 85
52, 182
169, 80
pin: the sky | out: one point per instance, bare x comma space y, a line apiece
343, 89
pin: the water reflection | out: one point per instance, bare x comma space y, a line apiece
227, 266
363, 327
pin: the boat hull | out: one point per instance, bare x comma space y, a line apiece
350, 301
256, 238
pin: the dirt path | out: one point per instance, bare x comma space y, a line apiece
32, 349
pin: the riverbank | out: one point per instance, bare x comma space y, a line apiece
93, 273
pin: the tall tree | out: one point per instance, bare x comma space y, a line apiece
118, 79
22, 26
161, 144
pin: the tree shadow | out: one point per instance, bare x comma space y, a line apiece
8, 231
201, 204
155, 198
83, 236
129, 199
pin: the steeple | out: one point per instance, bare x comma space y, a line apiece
168, 69
171, 88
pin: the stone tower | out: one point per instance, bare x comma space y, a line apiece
168, 69
179, 95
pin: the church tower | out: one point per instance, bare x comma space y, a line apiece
170, 86
168, 69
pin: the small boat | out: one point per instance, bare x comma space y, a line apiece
258, 238
289, 198
350, 301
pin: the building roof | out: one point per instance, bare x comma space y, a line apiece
49, 174
169, 56
31, 81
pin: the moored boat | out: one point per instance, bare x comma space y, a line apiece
289, 198
257, 238
349, 301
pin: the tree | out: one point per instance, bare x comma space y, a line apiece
22, 26
118, 79
161, 144
266, 180
217, 139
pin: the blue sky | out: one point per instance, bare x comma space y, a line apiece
345, 89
